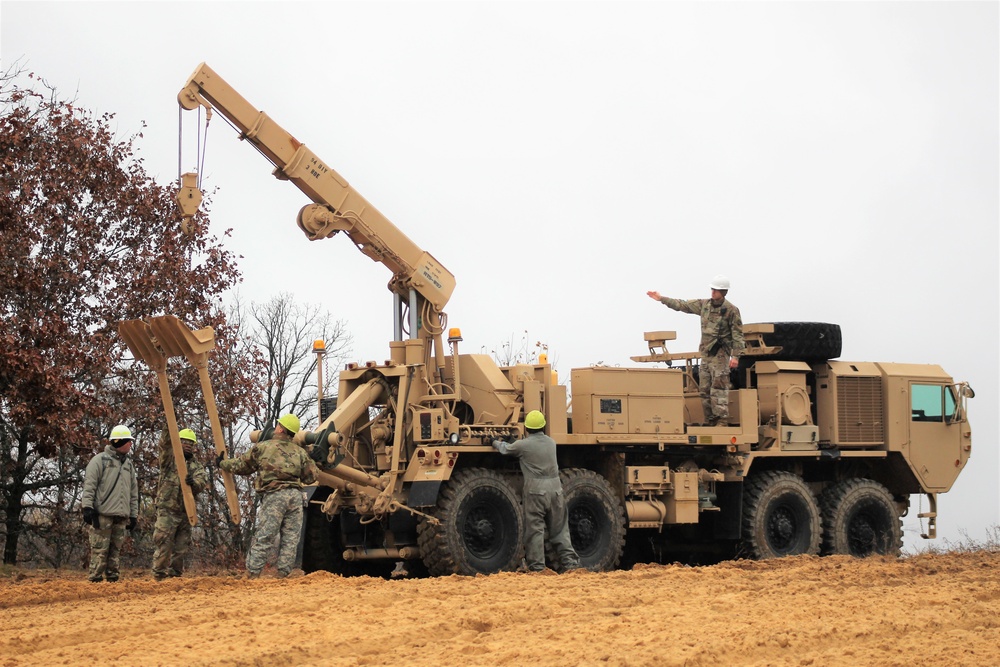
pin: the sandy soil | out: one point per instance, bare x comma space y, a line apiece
924, 610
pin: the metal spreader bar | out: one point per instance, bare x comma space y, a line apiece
156, 340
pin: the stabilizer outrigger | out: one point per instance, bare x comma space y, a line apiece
156, 340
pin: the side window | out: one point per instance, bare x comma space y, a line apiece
927, 402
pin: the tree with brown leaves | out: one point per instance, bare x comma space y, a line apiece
88, 239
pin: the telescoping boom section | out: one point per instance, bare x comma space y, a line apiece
337, 206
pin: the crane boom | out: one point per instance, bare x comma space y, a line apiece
337, 206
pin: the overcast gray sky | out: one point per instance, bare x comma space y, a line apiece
838, 160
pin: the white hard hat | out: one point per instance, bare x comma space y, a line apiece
720, 282
121, 432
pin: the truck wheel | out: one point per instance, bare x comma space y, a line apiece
481, 526
860, 519
321, 547
596, 521
804, 341
780, 516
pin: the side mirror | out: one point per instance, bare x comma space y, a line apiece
964, 392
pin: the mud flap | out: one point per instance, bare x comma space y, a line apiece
729, 497
309, 492
424, 494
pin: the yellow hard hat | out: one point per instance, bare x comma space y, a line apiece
290, 422
187, 434
121, 432
534, 420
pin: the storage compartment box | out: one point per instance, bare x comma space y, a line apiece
627, 400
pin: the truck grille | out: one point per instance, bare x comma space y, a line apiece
859, 405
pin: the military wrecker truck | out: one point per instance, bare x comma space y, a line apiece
820, 455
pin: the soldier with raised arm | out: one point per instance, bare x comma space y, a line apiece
721, 345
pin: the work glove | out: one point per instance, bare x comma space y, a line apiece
90, 516
219, 459
189, 479
496, 444
132, 521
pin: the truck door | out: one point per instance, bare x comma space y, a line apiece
936, 447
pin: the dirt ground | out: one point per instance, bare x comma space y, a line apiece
927, 610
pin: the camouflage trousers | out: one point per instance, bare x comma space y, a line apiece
545, 509
713, 386
105, 545
279, 524
171, 541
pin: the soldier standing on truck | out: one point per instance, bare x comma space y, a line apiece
721, 345
110, 503
282, 468
172, 532
544, 504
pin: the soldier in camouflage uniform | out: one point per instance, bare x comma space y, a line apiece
110, 504
282, 468
172, 532
721, 345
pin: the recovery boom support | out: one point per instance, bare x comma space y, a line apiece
337, 206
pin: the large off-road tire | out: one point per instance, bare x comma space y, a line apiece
860, 519
480, 529
321, 549
780, 516
803, 341
596, 521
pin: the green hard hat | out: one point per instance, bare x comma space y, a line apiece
187, 434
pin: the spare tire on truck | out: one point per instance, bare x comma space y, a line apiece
799, 341
803, 341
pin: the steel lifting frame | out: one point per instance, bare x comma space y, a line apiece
154, 341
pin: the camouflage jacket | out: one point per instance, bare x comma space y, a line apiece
168, 485
721, 324
110, 485
278, 462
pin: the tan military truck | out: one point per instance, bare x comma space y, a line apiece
819, 455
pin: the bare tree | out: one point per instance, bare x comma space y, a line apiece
511, 352
280, 333
284, 331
